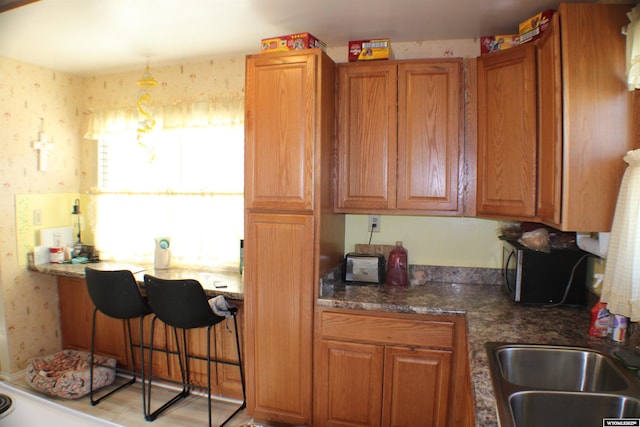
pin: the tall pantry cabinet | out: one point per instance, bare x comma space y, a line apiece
292, 236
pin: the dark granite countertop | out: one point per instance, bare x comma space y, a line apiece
208, 278
490, 316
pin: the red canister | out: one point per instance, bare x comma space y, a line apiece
56, 255
397, 267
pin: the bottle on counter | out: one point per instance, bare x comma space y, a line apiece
241, 256
599, 320
397, 267
618, 325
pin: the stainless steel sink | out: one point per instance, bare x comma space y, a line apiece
562, 409
546, 385
560, 368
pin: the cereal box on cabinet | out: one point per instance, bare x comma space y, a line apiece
367, 50
533, 27
291, 42
491, 44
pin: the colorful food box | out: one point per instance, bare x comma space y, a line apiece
533, 27
291, 42
367, 50
491, 44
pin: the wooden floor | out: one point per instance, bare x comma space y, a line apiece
125, 408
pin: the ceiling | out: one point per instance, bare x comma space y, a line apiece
92, 37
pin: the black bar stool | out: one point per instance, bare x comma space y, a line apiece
183, 305
116, 294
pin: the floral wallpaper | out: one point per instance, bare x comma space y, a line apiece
35, 100
32, 100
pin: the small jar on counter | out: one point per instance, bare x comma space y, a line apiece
618, 325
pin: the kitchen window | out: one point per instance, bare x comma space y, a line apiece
184, 182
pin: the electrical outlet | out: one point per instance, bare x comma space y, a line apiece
374, 223
37, 217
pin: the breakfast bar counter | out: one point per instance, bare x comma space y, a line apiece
77, 310
226, 282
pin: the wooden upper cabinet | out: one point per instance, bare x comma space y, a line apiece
507, 141
596, 116
430, 142
367, 117
400, 136
280, 109
550, 124
585, 122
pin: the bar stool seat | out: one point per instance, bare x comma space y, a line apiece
116, 295
183, 305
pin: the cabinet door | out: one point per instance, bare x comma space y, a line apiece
349, 384
279, 297
430, 135
507, 140
367, 138
597, 116
280, 108
550, 124
76, 311
416, 387
228, 376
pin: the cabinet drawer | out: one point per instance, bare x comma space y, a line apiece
384, 330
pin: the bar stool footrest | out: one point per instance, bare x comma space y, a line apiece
152, 416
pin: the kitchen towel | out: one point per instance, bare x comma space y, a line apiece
621, 280
220, 306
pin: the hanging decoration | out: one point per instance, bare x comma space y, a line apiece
147, 121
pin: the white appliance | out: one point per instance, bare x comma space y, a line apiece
31, 410
162, 256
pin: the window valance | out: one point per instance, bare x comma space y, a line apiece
223, 110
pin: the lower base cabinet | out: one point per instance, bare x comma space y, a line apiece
76, 311
391, 370
416, 386
350, 384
